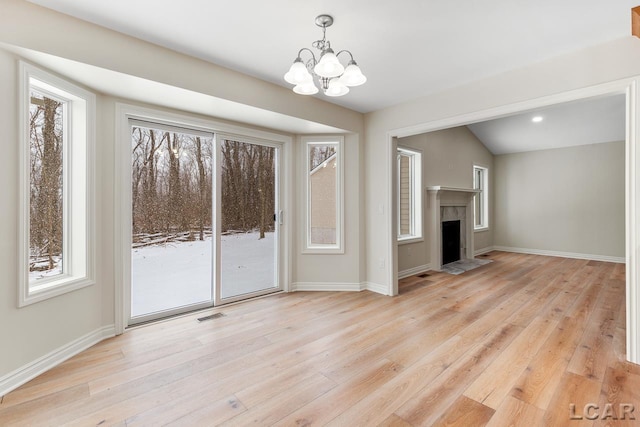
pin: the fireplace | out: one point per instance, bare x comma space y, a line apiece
450, 204
450, 241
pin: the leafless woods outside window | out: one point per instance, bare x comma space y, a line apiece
46, 140
172, 186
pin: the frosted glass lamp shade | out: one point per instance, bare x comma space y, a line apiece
328, 66
298, 73
336, 88
306, 88
352, 75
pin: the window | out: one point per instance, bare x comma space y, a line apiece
481, 199
56, 227
409, 195
324, 216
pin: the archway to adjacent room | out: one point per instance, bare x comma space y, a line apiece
626, 88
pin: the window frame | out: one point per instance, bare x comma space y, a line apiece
307, 246
78, 251
484, 201
416, 206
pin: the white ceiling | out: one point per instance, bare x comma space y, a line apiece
407, 48
591, 121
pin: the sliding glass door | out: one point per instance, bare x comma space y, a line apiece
172, 245
204, 227
248, 209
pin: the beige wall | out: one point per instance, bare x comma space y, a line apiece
448, 157
563, 200
32, 331
349, 267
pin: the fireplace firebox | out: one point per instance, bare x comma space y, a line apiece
450, 241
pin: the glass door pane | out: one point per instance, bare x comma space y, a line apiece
171, 265
248, 230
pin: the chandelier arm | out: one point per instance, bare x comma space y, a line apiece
346, 51
308, 50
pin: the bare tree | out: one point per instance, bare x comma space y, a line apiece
46, 180
202, 187
172, 188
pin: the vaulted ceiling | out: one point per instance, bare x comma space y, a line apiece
591, 121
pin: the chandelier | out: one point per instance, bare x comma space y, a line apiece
332, 76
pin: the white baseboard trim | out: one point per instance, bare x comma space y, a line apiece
328, 286
15, 379
591, 257
377, 288
339, 287
483, 250
415, 270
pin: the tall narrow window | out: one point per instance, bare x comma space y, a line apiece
46, 139
56, 228
409, 195
481, 199
324, 218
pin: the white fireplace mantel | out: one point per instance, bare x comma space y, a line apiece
439, 196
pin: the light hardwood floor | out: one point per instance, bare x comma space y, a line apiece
514, 342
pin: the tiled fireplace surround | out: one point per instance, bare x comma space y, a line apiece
449, 204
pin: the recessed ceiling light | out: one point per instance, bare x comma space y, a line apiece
536, 119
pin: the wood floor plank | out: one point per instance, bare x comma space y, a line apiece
394, 421
538, 383
465, 412
274, 409
494, 384
511, 343
376, 407
621, 388
513, 412
343, 396
573, 393
591, 357
430, 402
208, 413
48, 403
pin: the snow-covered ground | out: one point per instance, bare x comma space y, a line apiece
56, 270
180, 273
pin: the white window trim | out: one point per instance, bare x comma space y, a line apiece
78, 187
485, 198
338, 247
416, 198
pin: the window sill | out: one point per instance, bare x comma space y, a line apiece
55, 288
323, 251
408, 240
480, 229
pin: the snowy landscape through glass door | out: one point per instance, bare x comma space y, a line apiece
171, 263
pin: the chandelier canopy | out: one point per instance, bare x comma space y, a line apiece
332, 76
